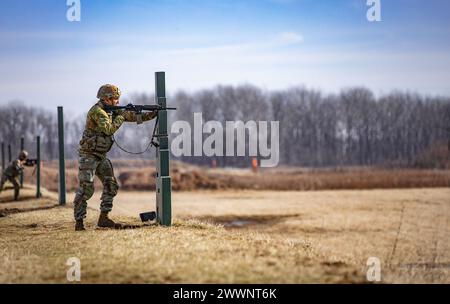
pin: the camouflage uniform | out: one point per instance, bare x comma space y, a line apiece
96, 142
11, 174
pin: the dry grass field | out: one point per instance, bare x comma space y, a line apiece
238, 236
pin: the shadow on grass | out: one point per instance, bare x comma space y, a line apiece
10, 199
124, 226
8, 211
26, 193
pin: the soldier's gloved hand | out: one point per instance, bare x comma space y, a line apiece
119, 120
149, 115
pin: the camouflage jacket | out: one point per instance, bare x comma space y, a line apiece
100, 127
14, 169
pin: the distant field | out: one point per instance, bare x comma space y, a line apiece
239, 237
140, 175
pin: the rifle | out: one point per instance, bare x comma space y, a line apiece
30, 162
138, 109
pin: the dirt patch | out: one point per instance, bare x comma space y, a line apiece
255, 221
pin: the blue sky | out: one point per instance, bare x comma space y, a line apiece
323, 44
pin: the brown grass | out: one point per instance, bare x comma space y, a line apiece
140, 175
27, 200
280, 237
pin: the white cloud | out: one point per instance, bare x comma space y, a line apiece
45, 80
281, 40
290, 38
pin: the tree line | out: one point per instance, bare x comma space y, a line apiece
351, 128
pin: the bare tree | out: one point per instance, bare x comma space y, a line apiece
351, 128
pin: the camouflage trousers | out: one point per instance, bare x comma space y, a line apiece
89, 166
14, 181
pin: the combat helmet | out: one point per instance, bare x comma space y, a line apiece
108, 91
23, 155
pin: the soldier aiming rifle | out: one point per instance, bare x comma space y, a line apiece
13, 171
102, 121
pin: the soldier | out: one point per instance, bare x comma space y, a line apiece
13, 171
97, 140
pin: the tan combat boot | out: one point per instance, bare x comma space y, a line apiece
79, 226
105, 222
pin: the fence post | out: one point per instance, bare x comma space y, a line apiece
22, 147
38, 167
62, 173
163, 183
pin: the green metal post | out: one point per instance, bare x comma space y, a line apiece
163, 182
3, 156
22, 147
38, 167
62, 173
